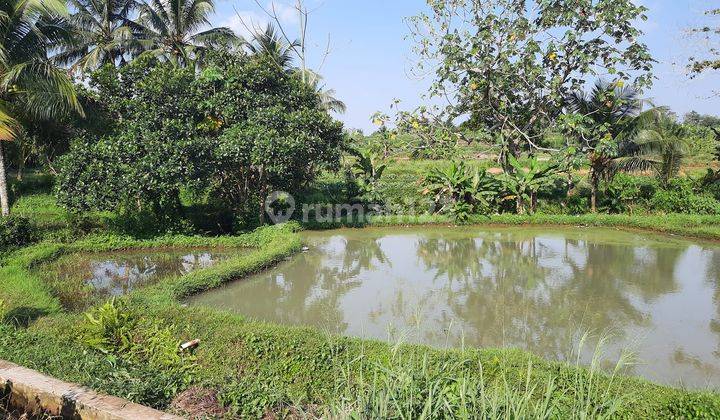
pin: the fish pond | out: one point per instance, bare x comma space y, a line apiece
80, 279
540, 289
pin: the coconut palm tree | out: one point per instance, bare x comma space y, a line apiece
662, 144
172, 29
30, 84
327, 98
271, 44
609, 117
104, 33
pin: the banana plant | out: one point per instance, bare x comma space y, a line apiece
460, 191
367, 171
523, 183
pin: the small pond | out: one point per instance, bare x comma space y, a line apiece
535, 288
80, 278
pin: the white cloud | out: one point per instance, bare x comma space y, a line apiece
287, 14
245, 22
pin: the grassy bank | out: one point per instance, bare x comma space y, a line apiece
692, 226
253, 369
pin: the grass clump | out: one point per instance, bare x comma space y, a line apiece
463, 388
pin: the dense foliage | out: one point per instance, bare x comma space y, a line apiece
509, 66
233, 132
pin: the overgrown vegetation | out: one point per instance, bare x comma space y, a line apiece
129, 347
174, 128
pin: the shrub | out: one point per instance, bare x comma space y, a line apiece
147, 224
680, 198
460, 191
235, 132
123, 333
627, 192
16, 232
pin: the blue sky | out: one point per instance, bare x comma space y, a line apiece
370, 60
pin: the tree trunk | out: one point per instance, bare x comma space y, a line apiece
533, 202
519, 206
570, 185
263, 194
512, 148
4, 203
594, 181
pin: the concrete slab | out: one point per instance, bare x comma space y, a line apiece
35, 392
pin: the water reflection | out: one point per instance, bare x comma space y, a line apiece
82, 278
532, 288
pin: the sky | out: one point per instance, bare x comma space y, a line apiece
370, 61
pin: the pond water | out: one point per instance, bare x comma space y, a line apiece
79, 278
535, 288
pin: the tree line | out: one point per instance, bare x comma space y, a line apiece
51, 48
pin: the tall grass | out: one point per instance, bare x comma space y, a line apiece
409, 386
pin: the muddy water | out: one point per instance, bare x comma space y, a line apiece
535, 288
82, 278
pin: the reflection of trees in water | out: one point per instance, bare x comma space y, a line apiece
454, 259
713, 276
505, 300
528, 293
714, 266
319, 281
537, 293
362, 255
101, 277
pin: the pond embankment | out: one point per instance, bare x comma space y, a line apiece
31, 392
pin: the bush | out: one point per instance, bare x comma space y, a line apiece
16, 232
123, 333
235, 132
626, 192
147, 224
681, 198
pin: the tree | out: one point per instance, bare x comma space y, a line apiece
30, 85
232, 133
712, 176
702, 120
509, 65
276, 42
171, 29
104, 33
149, 155
604, 122
662, 144
328, 101
709, 34
272, 45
